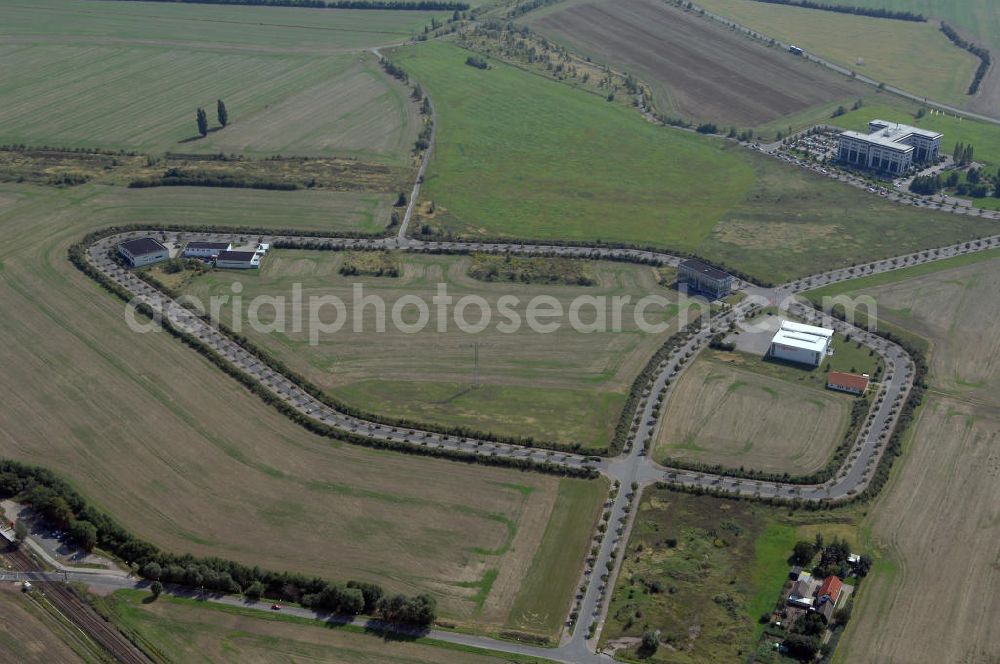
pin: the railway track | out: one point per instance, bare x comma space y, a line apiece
81, 614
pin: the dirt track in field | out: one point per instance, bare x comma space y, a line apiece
709, 73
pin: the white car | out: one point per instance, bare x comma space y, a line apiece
262, 248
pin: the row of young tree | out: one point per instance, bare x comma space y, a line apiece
874, 12
220, 112
977, 184
62, 507
980, 52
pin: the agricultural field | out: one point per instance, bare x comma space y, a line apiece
185, 457
721, 413
562, 386
697, 68
182, 630
139, 92
580, 169
235, 28
702, 570
945, 488
915, 57
30, 635
976, 20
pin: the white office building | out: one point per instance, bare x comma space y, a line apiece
797, 342
889, 147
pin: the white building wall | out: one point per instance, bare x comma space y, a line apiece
800, 355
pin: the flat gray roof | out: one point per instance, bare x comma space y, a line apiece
142, 246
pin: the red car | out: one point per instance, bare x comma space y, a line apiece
276, 607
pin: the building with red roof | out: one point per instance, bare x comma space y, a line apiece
830, 589
847, 382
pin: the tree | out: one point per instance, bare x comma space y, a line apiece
996, 189
152, 570
650, 642
254, 590
84, 533
957, 153
803, 552
156, 588
20, 531
202, 122
864, 566
220, 110
802, 647
401, 200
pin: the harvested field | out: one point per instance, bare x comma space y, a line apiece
915, 57
562, 386
720, 414
29, 635
937, 522
239, 28
698, 69
214, 471
184, 630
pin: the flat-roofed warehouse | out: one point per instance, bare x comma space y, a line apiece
705, 278
797, 342
143, 251
889, 147
238, 260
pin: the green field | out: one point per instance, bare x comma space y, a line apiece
575, 167
183, 630
915, 57
562, 386
212, 463
984, 137
125, 86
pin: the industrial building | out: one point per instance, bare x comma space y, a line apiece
206, 249
705, 278
797, 342
143, 251
889, 147
238, 260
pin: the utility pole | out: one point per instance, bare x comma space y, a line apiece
476, 345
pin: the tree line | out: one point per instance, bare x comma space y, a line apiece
395, 5
61, 506
202, 117
980, 52
873, 12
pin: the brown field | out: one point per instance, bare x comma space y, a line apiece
185, 457
27, 634
935, 591
719, 414
698, 69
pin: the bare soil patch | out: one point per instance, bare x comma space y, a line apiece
706, 71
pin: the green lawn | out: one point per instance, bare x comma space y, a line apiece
574, 167
916, 57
